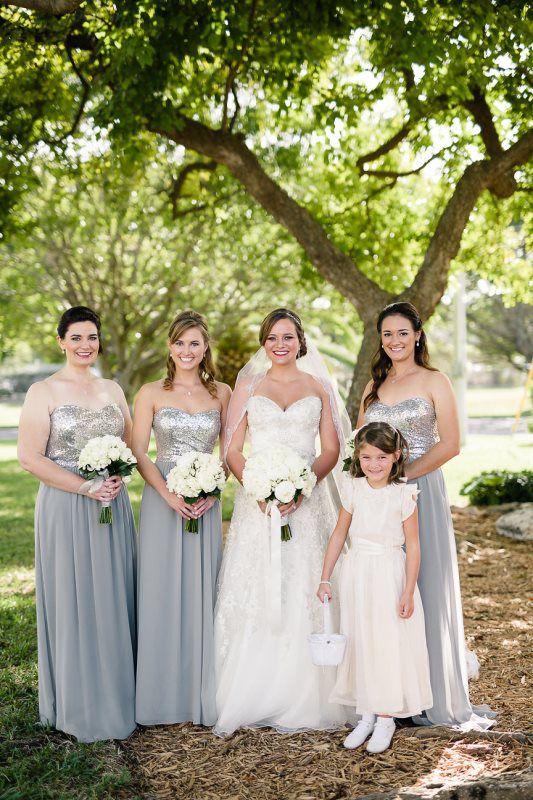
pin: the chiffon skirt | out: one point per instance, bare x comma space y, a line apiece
176, 581
438, 582
85, 597
385, 668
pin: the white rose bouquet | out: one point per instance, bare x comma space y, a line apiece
349, 451
102, 457
196, 475
280, 475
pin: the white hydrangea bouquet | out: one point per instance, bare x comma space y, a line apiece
278, 474
102, 457
349, 451
196, 475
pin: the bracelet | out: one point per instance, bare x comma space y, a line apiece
328, 582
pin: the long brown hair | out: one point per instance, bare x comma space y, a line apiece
386, 438
275, 316
206, 370
381, 362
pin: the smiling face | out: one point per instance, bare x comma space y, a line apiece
281, 343
81, 343
188, 349
398, 338
376, 464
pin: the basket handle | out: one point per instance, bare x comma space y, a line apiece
328, 627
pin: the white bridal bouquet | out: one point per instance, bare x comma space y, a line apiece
196, 475
102, 457
278, 474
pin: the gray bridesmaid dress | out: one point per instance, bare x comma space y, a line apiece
176, 587
85, 593
438, 579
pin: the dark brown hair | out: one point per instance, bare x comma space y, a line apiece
386, 438
381, 362
178, 326
275, 316
79, 314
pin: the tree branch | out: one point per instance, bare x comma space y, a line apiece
505, 186
333, 264
55, 8
232, 74
430, 282
387, 146
178, 183
389, 173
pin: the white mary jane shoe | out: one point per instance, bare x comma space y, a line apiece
360, 733
381, 738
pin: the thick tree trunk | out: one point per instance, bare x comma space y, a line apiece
361, 373
336, 266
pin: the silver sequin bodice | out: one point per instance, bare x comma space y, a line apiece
177, 432
415, 418
72, 426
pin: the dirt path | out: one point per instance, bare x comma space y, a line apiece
188, 762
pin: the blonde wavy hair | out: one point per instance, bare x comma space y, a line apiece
206, 370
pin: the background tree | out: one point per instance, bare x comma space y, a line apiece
107, 237
253, 87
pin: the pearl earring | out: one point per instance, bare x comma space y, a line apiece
418, 342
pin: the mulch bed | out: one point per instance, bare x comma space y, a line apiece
188, 762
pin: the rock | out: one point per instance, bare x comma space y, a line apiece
503, 787
517, 524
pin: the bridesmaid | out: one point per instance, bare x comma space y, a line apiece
178, 570
411, 395
84, 571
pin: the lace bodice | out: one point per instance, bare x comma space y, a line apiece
72, 426
296, 427
415, 418
178, 432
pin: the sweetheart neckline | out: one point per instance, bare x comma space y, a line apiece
284, 410
84, 408
189, 414
407, 399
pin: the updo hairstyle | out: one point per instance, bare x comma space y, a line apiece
275, 316
79, 314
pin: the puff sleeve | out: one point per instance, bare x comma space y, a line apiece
410, 492
346, 489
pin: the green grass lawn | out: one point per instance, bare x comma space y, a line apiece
501, 401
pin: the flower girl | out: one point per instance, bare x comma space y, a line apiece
385, 672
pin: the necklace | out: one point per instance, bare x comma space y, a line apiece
399, 378
188, 392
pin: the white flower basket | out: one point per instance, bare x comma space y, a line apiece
327, 649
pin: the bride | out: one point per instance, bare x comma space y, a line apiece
264, 673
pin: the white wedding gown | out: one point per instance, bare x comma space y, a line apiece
263, 670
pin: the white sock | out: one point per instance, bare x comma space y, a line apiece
370, 718
386, 722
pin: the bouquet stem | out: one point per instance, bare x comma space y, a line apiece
286, 534
191, 526
106, 515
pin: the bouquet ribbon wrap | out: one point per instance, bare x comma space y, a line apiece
274, 578
92, 486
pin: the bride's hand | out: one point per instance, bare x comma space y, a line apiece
262, 505
289, 508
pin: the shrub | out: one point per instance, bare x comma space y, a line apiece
491, 488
